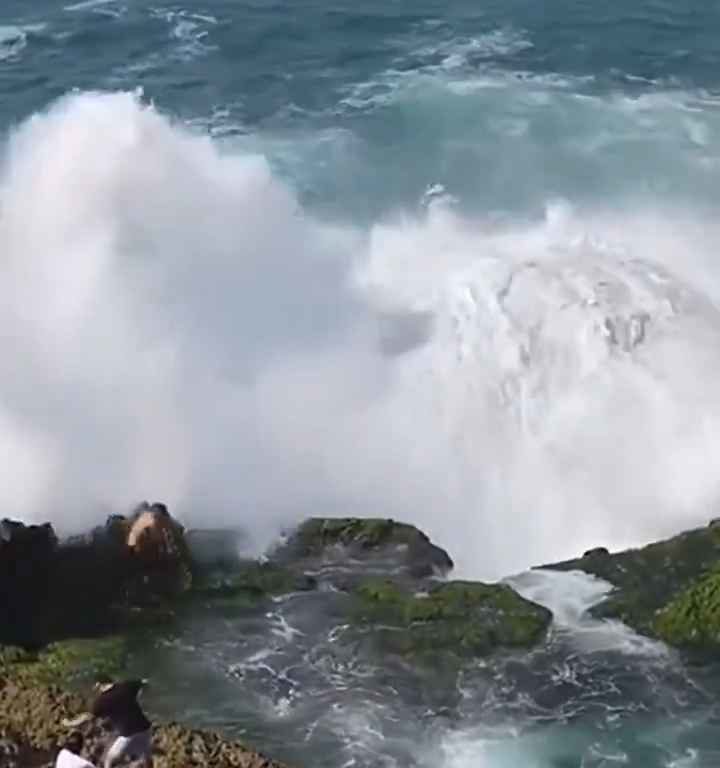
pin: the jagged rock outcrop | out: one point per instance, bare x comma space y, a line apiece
367, 537
380, 583
26, 575
51, 589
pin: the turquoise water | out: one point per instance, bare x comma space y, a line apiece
450, 262
364, 107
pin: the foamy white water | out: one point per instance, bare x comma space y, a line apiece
579, 643
570, 596
177, 327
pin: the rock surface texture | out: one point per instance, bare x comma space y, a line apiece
51, 589
668, 590
70, 612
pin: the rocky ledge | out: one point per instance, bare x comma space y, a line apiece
31, 728
68, 611
669, 590
390, 585
91, 583
463, 618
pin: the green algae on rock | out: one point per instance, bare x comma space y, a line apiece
461, 617
667, 589
692, 618
366, 535
68, 661
32, 714
251, 583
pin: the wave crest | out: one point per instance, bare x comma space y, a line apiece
176, 326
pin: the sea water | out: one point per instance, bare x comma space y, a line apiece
454, 263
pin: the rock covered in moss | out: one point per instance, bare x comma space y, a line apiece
68, 661
692, 618
667, 589
460, 617
31, 720
250, 582
361, 537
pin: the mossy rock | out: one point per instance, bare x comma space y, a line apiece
366, 535
648, 580
461, 617
692, 618
68, 661
12, 654
251, 584
35, 712
317, 533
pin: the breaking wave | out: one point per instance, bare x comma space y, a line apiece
177, 325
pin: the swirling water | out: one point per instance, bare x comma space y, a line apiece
450, 262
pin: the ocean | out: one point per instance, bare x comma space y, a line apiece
454, 263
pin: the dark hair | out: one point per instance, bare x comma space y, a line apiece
160, 509
74, 742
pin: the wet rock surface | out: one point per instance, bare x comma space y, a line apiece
350, 611
370, 585
386, 580
91, 583
669, 589
361, 538
460, 617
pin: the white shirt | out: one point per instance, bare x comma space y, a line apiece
68, 759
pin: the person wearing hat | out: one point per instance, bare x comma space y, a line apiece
69, 755
117, 702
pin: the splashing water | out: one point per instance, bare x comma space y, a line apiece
453, 266
177, 327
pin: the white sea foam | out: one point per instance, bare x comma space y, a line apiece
190, 32
13, 40
90, 5
570, 596
177, 327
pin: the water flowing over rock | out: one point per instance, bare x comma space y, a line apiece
378, 586
669, 589
387, 579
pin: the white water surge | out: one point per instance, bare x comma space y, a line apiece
175, 326
587, 653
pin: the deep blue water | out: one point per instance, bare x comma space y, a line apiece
365, 106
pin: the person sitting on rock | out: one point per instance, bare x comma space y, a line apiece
117, 702
69, 755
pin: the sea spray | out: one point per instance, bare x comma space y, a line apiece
176, 326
